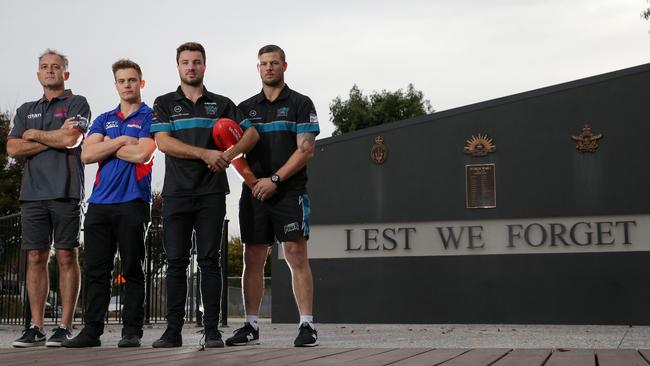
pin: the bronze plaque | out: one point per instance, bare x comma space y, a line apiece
480, 186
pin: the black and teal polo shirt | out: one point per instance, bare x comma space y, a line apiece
192, 124
278, 123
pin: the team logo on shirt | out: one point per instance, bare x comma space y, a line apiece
283, 112
178, 109
211, 108
61, 112
112, 124
252, 113
136, 124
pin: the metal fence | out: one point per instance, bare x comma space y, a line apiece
14, 307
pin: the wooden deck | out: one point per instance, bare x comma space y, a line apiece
324, 356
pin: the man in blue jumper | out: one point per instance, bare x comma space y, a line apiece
119, 208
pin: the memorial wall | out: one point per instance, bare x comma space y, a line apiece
532, 208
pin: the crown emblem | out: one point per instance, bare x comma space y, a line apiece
479, 145
379, 152
586, 140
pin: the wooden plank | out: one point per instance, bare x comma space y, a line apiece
572, 357
478, 357
525, 357
619, 357
645, 353
352, 355
390, 357
217, 355
432, 357
294, 356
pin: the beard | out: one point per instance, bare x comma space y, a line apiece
194, 82
273, 82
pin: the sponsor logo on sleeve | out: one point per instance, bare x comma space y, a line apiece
313, 118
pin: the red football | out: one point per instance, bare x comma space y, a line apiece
226, 133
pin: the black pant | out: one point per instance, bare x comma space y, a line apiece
181, 216
107, 228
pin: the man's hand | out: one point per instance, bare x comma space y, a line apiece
215, 160
264, 189
70, 123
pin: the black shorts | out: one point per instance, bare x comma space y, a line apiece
284, 217
44, 222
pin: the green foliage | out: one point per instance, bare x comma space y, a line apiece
361, 111
11, 172
236, 258
646, 14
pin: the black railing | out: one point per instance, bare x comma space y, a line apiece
14, 307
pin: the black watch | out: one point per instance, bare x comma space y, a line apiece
275, 178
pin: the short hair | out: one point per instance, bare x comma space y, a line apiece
190, 46
126, 64
50, 51
271, 48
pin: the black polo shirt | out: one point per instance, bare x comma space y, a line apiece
278, 123
53, 173
192, 124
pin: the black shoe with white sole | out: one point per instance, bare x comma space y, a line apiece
307, 336
244, 336
32, 337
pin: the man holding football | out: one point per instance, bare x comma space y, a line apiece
194, 190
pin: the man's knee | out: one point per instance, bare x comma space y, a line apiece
296, 254
255, 256
67, 258
177, 266
38, 257
209, 265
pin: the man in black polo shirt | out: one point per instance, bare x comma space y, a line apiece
277, 207
194, 190
46, 135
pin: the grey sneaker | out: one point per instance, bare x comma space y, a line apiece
171, 338
212, 338
32, 337
61, 334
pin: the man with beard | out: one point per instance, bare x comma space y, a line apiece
194, 190
46, 134
118, 209
277, 207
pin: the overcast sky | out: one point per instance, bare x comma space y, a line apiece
456, 52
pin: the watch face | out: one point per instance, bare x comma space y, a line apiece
275, 178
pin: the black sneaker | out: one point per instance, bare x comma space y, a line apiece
171, 338
307, 336
32, 337
82, 340
213, 338
129, 341
244, 336
60, 335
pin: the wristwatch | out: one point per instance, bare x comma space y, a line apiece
275, 178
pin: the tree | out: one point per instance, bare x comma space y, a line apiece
646, 14
361, 111
11, 173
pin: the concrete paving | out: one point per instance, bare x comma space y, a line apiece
274, 335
